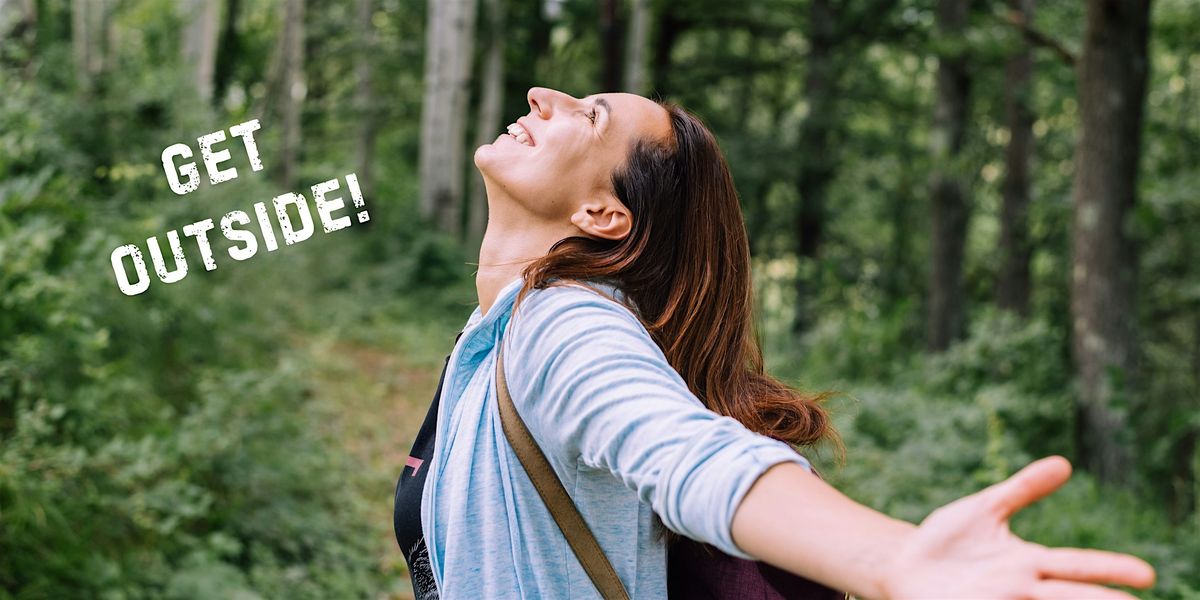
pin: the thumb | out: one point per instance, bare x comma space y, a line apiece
1036, 481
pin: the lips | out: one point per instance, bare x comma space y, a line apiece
519, 133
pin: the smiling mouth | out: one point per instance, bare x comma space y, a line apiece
519, 133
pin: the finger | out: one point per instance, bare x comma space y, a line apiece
1069, 590
1036, 481
1095, 566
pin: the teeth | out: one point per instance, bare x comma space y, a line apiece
518, 132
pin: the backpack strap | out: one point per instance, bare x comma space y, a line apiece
583, 543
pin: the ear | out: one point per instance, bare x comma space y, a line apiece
605, 217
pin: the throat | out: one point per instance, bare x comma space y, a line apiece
514, 238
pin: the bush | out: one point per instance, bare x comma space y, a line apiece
163, 445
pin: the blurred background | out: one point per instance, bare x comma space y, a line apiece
976, 220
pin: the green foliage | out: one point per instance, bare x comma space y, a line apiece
170, 445
178, 444
853, 345
921, 431
1002, 347
910, 451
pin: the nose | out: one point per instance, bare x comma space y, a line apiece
544, 101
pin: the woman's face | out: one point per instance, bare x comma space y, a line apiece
559, 159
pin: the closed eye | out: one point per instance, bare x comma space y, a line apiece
592, 114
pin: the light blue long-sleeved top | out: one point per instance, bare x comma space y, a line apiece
618, 424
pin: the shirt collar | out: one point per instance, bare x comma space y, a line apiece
504, 300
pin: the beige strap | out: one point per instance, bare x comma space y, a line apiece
554, 495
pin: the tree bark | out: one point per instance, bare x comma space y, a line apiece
948, 187
817, 165
1112, 89
1013, 285
227, 51
200, 44
669, 29
490, 111
635, 48
364, 144
292, 90
449, 45
610, 46
89, 23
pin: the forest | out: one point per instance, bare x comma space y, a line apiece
974, 222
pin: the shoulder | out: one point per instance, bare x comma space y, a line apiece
575, 326
572, 305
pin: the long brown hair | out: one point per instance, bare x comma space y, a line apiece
685, 268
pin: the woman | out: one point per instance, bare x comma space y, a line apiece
615, 271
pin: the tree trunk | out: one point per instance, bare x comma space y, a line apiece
1112, 89
947, 185
449, 45
89, 22
669, 29
610, 47
1013, 285
490, 111
200, 44
291, 90
227, 51
817, 163
635, 48
364, 144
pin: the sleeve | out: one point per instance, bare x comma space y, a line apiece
593, 387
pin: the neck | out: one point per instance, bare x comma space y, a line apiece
512, 240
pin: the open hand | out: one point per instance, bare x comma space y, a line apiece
966, 550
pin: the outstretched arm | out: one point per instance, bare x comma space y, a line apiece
792, 519
595, 390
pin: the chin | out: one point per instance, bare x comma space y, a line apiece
492, 157
482, 156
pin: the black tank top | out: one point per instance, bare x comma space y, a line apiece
406, 516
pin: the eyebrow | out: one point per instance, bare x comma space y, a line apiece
606, 105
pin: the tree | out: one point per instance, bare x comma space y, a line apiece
449, 45
1013, 286
837, 33
670, 28
89, 38
610, 47
948, 188
1112, 75
490, 111
228, 49
817, 164
363, 73
290, 77
635, 47
200, 44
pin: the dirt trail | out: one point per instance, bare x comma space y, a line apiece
373, 400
